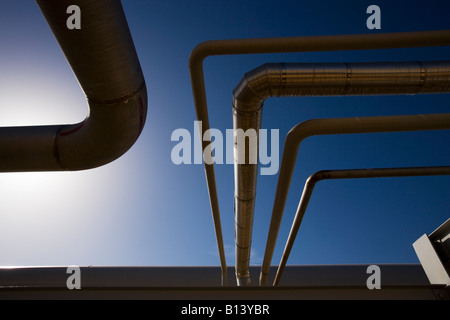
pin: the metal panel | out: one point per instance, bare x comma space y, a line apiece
432, 254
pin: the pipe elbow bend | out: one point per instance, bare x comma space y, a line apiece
106, 134
104, 60
302, 131
316, 177
253, 89
199, 53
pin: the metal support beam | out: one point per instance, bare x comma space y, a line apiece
400, 282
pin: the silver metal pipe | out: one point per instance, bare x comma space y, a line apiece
346, 174
277, 45
338, 79
103, 58
334, 126
313, 79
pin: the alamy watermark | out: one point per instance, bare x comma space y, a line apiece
374, 20
74, 280
222, 150
374, 280
74, 20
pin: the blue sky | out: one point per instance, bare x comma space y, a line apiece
144, 210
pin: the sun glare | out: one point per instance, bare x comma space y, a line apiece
33, 97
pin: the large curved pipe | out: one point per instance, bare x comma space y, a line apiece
277, 45
346, 174
103, 57
313, 79
334, 126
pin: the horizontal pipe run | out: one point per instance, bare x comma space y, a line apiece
278, 45
104, 60
338, 79
345, 174
317, 43
314, 127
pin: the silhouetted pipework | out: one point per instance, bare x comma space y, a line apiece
104, 60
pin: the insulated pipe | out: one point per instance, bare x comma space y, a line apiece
334, 126
312, 79
103, 58
346, 174
278, 45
